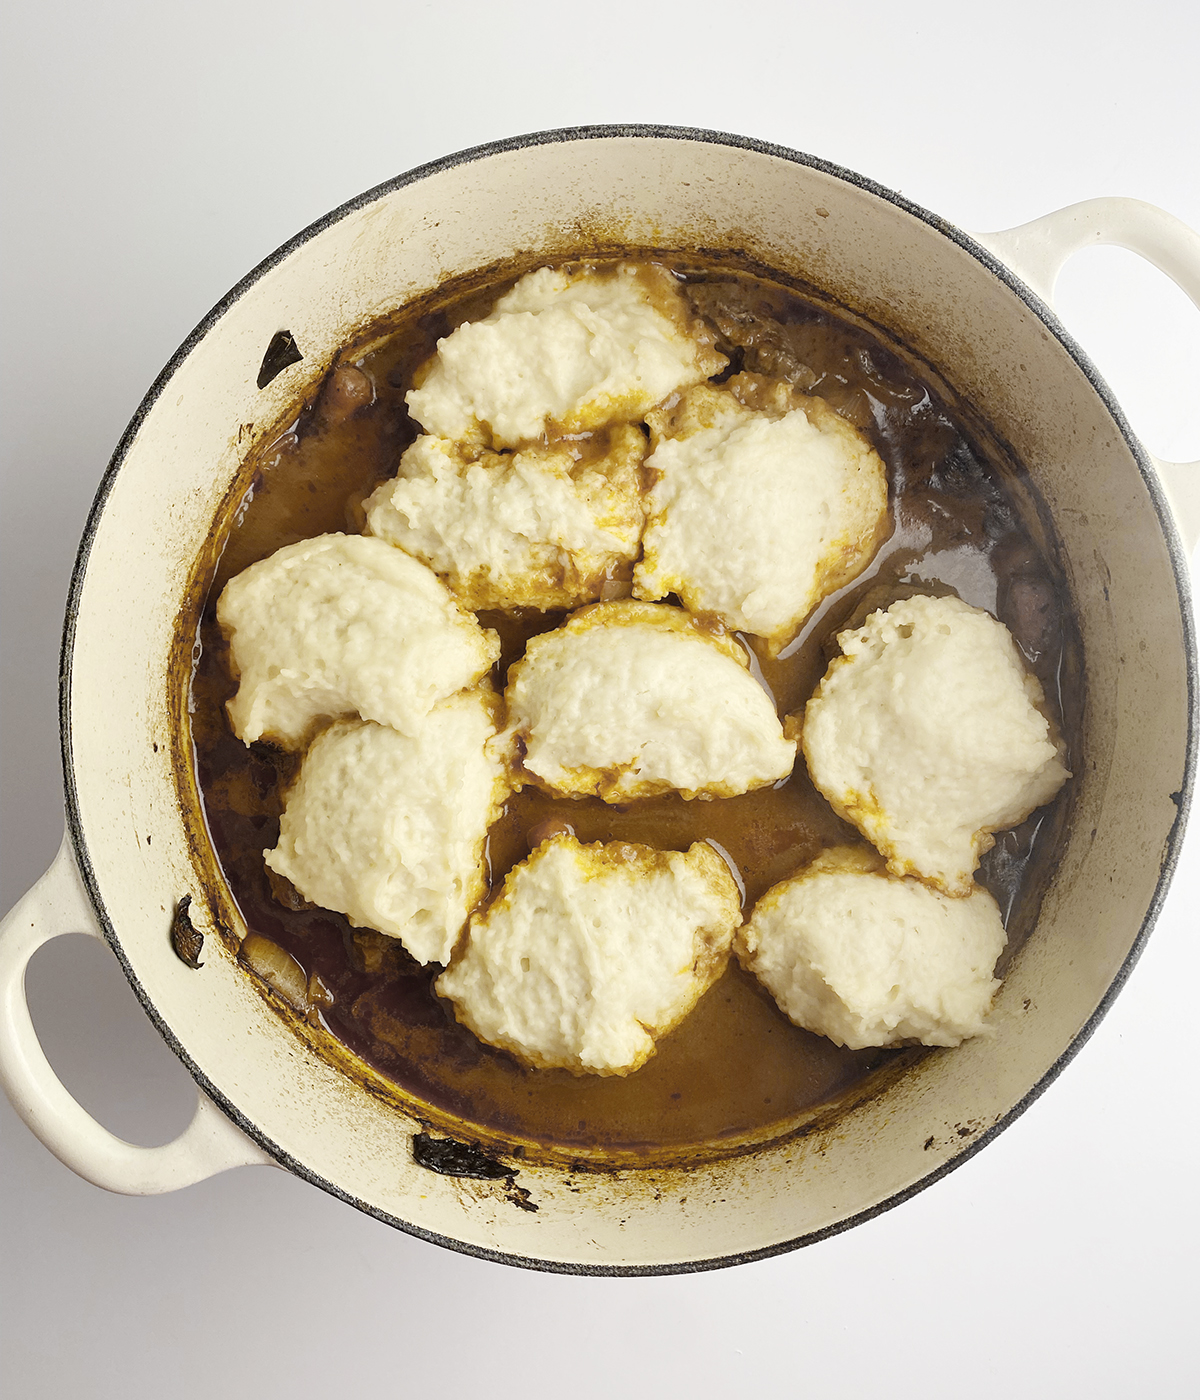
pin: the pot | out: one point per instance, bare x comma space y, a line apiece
270, 1090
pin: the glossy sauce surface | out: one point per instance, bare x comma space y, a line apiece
736, 1067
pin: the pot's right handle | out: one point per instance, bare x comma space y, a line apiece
1037, 251
59, 904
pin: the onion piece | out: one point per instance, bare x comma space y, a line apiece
320, 998
544, 830
277, 968
345, 391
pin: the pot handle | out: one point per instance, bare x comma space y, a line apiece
1037, 251
59, 904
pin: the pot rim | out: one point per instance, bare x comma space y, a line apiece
1179, 569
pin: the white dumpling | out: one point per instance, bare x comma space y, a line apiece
631, 699
389, 828
868, 958
565, 352
342, 625
540, 528
592, 953
758, 513
927, 733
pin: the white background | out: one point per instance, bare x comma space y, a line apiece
154, 153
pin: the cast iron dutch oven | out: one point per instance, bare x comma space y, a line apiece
974, 308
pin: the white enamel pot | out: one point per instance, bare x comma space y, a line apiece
975, 308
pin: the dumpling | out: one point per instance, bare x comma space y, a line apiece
342, 625
389, 828
541, 528
592, 953
868, 958
927, 734
565, 352
758, 513
631, 699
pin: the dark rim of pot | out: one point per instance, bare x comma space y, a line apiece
1179, 565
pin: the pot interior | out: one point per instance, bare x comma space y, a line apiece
131, 789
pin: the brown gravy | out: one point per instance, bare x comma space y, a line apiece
736, 1070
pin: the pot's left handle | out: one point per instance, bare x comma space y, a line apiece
59, 904
1037, 251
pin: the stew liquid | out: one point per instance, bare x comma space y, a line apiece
965, 520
